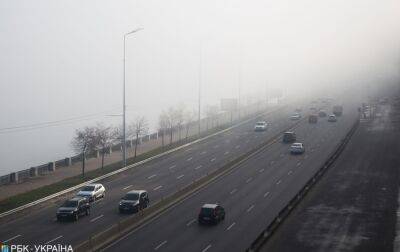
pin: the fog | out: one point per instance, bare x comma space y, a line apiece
62, 60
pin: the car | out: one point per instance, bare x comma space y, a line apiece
92, 192
298, 110
295, 116
289, 137
332, 118
260, 126
322, 113
73, 209
297, 148
134, 201
211, 214
313, 119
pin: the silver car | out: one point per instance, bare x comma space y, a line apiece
92, 192
297, 148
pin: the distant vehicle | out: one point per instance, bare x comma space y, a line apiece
134, 201
295, 116
383, 101
332, 118
73, 208
322, 113
337, 110
298, 110
312, 118
211, 214
289, 137
297, 148
92, 192
261, 126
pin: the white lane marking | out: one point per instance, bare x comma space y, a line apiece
179, 177
189, 158
156, 188
216, 146
305, 156
152, 176
212, 160
272, 162
237, 146
190, 222
59, 237
226, 153
127, 187
261, 170
12, 238
290, 172
189, 149
98, 217
298, 164
279, 181
248, 180
198, 167
233, 191
160, 245
250, 208
207, 248
172, 167
204, 152
230, 226
266, 194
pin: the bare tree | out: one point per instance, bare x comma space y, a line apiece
104, 139
139, 128
179, 118
171, 113
163, 124
84, 142
189, 118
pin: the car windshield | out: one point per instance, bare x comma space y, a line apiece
70, 203
88, 188
260, 123
207, 211
131, 196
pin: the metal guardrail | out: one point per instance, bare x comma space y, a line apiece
284, 213
71, 189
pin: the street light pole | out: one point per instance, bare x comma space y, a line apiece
124, 104
199, 94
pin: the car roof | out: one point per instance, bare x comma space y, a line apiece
209, 206
288, 132
77, 198
94, 184
297, 144
136, 192
261, 122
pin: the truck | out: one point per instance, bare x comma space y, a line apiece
337, 110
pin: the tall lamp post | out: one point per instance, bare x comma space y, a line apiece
123, 105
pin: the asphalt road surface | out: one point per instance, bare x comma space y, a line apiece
353, 207
160, 177
252, 195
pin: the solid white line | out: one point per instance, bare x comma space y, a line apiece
98, 217
261, 170
160, 245
212, 160
179, 177
126, 187
172, 167
226, 153
198, 167
233, 224
189, 159
248, 180
279, 181
12, 238
190, 222
204, 152
233, 191
54, 239
250, 208
266, 194
290, 172
152, 176
207, 248
158, 187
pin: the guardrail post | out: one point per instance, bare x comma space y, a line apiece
33, 172
110, 150
14, 177
51, 166
68, 161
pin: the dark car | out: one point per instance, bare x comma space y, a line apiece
289, 137
211, 214
322, 113
73, 209
312, 119
134, 201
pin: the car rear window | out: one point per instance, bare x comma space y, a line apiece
206, 211
70, 203
131, 196
88, 188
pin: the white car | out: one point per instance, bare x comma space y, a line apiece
295, 116
332, 118
297, 148
92, 192
261, 126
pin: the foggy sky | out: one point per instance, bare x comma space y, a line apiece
63, 59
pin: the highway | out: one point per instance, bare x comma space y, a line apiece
252, 195
160, 177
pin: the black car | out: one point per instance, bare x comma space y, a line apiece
289, 137
73, 209
134, 201
211, 214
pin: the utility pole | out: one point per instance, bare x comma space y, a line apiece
199, 91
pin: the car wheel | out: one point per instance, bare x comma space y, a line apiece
103, 195
88, 211
76, 217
